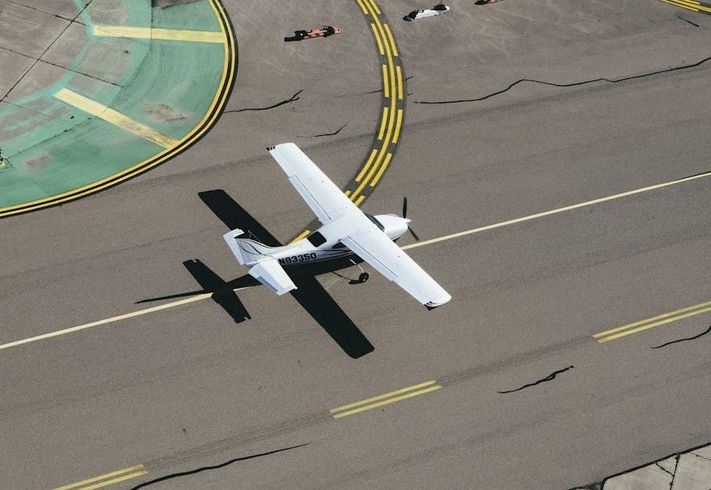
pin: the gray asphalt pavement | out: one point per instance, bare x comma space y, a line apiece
188, 388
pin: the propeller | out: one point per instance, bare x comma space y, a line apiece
404, 215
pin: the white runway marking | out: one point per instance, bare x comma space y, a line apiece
557, 211
406, 247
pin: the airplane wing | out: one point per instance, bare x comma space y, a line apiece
323, 197
273, 276
374, 247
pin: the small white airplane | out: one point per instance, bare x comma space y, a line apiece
346, 231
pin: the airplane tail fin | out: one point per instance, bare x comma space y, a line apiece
247, 250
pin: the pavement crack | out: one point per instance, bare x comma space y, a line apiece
687, 21
550, 377
291, 99
37, 60
215, 467
566, 85
705, 332
334, 133
676, 467
380, 89
664, 469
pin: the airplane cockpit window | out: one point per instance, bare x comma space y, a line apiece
316, 239
376, 222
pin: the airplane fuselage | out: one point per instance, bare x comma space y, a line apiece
318, 247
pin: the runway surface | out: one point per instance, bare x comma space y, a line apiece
448, 398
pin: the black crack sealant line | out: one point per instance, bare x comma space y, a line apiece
291, 99
215, 467
550, 377
705, 332
567, 85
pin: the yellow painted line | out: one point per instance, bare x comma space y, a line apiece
397, 126
160, 34
387, 402
382, 170
359, 200
383, 396
105, 321
400, 92
405, 247
391, 39
377, 39
679, 5
114, 117
652, 322
382, 126
347, 193
688, 3
303, 235
367, 165
559, 210
115, 480
131, 470
362, 7
386, 84
373, 6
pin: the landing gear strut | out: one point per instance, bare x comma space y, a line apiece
362, 277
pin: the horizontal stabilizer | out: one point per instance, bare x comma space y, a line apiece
273, 276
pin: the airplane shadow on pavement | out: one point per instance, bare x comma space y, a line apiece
309, 293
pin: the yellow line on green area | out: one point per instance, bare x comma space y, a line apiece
384, 399
114, 117
207, 121
126, 473
160, 34
377, 39
652, 322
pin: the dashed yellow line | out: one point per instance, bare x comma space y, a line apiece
373, 6
386, 84
655, 321
107, 479
362, 7
376, 34
398, 123
367, 164
114, 117
359, 200
160, 34
382, 125
400, 92
385, 399
382, 170
391, 39
675, 4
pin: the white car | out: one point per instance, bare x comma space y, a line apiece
438, 9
